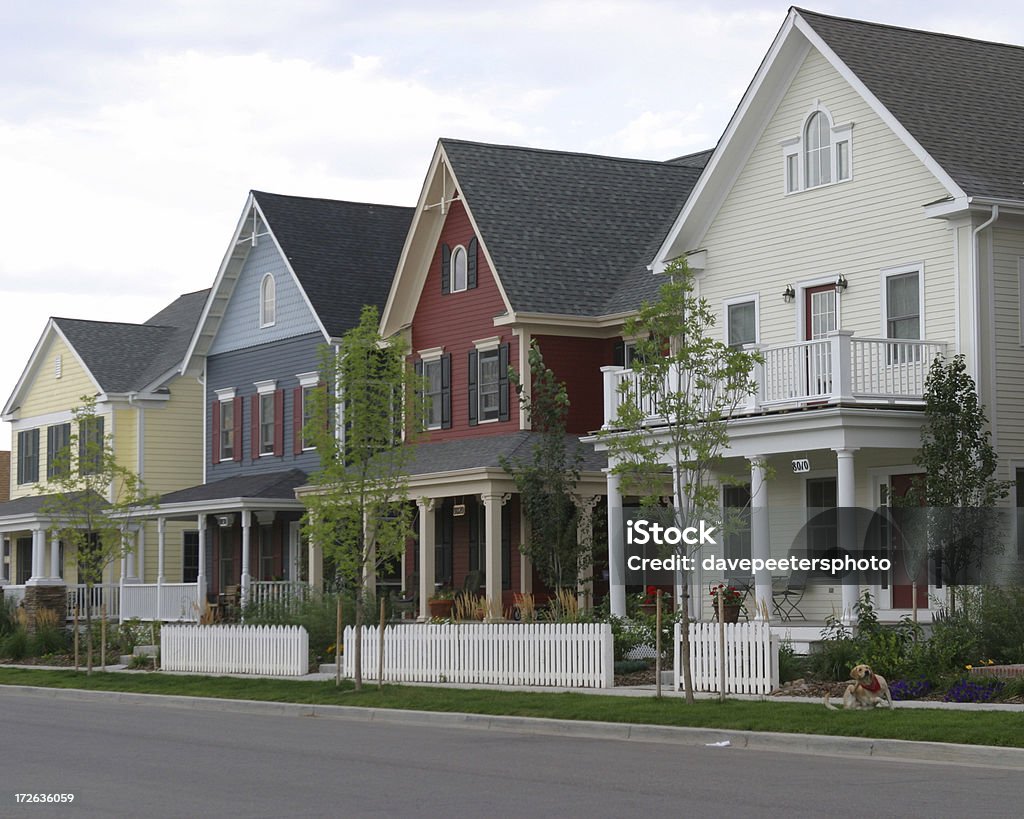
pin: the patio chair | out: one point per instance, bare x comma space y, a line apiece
787, 592
409, 602
474, 580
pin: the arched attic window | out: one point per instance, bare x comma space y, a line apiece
820, 155
460, 269
268, 301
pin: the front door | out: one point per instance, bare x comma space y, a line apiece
903, 561
820, 319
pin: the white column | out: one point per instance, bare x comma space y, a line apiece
492, 556
846, 498
426, 547
161, 537
315, 566
131, 576
140, 550
760, 543
201, 577
246, 542
38, 576
616, 548
55, 561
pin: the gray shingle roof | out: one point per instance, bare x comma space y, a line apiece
126, 357
33, 504
960, 98
344, 253
571, 233
488, 450
263, 485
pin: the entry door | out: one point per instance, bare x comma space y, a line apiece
819, 320
902, 589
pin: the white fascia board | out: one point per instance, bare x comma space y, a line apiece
564, 321
213, 507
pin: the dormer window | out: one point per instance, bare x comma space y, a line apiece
268, 301
820, 155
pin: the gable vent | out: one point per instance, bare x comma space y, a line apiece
58, 365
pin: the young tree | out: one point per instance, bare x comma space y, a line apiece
360, 513
547, 483
695, 383
959, 462
90, 501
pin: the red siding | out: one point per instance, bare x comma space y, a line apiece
578, 362
454, 321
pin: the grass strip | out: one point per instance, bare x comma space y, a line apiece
998, 728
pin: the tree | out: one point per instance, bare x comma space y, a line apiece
547, 484
90, 503
959, 462
694, 383
360, 514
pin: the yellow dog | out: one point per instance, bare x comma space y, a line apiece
866, 690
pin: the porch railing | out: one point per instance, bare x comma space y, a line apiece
102, 597
837, 369
277, 594
160, 601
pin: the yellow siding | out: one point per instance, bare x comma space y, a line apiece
46, 393
174, 439
761, 239
125, 438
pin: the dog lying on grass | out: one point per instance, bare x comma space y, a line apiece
866, 690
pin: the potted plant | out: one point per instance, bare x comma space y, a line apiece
732, 602
648, 600
441, 603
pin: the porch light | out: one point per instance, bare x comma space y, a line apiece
841, 283
788, 294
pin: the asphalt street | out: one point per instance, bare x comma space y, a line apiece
153, 760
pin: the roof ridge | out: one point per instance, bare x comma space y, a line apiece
332, 201
562, 152
807, 12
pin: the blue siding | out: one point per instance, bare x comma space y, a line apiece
241, 369
240, 327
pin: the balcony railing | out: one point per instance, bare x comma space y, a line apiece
839, 369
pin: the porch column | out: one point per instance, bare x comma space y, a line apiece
426, 547
161, 537
492, 558
315, 568
38, 558
846, 499
585, 537
55, 577
525, 564
760, 543
616, 548
130, 574
201, 576
140, 553
246, 542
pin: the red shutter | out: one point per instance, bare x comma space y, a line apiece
279, 423
297, 410
254, 426
236, 407
215, 433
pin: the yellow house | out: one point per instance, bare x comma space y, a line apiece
152, 417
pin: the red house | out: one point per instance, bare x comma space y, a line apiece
510, 245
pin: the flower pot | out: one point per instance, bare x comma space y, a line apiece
650, 608
731, 613
441, 608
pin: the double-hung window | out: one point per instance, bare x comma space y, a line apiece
488, 382
28, 456
267, 424
91, 443
227, 429
902, 297
58, 450
741, 321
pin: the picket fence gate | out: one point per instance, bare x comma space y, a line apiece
751, 658
572, 655
279, 650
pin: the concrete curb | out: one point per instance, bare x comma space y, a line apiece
893, 749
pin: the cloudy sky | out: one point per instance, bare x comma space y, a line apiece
131, 132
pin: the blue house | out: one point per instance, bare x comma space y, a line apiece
295, 277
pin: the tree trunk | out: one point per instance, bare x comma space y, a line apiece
357, 646
88, 628
684, 650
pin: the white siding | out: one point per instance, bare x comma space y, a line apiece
1008, 414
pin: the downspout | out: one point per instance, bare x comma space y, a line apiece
976, 294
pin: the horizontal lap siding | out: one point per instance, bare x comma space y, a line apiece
173, 434
281, 360
761, 240
1008, 251
454, 321
578, 362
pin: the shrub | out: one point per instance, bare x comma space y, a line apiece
15, 646
8, 620
967, 690
791, 666
317, 614
50, 636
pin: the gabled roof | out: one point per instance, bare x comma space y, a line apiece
960, 98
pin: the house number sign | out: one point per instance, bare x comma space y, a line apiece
801, 465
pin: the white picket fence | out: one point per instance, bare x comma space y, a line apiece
279, 650
573, 655
751, 658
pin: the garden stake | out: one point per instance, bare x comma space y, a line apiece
76, 638
103, 637
657, 646
380, 648
337, 647
721, 647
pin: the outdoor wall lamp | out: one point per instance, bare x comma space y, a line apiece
788, 294
841, 283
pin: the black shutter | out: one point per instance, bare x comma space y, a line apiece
446, 391
474, 404
619, 354
471, 264
473, 516
503, 382
446, 270
506, 548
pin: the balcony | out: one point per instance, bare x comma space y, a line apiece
838, 369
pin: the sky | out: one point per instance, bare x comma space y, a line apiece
131, 133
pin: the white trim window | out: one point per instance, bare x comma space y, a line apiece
268, 301
903, 303
821, 155
460, 269
742, 321
433, 393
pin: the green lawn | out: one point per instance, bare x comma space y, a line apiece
969, 727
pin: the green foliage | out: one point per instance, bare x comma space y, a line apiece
16, 645
49, 637
317, 614
359, 512
133, 632
547, 484
7, 619
791, 666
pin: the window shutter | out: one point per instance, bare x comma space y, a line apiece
446, 391
298, 410
254, 425
503, 382
471, 253
619, 353
237, 412
446, 270
215, 433
474, 404
279, 423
